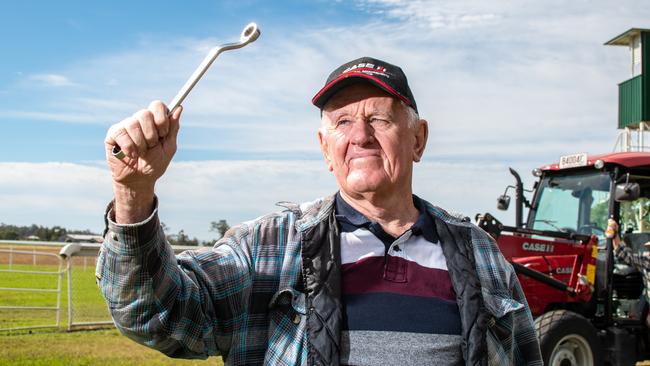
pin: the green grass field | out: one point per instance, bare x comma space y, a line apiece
89, 347
56, 346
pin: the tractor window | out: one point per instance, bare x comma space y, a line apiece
572, 203
635, 216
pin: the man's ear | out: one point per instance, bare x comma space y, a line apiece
421, 136
324, 147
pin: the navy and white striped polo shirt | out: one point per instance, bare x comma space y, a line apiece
398, 300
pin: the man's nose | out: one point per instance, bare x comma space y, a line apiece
362, 133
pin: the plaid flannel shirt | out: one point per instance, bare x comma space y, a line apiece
242, 298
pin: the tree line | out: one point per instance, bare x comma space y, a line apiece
58, 233
44, 233
181, 238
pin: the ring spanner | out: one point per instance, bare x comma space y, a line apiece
250, 33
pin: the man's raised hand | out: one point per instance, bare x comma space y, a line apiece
148, 138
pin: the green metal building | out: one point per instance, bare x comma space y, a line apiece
634, 93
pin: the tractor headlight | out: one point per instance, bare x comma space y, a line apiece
599, 164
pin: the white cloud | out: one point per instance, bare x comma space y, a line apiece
436, 14
53, 194
51, 80
67, 117
192, 194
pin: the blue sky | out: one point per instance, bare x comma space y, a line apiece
502, 83
44, 39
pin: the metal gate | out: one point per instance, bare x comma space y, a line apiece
27, 307
85, 306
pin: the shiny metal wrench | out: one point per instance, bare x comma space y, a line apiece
250, 33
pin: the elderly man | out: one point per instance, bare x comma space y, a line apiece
372, 275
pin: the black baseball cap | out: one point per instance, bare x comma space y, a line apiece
381, 74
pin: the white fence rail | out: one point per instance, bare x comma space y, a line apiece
29, 272
73, 260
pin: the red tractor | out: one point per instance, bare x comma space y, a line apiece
589, 309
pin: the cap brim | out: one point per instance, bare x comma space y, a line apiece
347, 79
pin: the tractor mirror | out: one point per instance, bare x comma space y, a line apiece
503, 202
627, 191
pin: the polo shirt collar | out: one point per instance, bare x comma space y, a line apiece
424, 224
347, 213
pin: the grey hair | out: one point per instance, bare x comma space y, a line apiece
411, 115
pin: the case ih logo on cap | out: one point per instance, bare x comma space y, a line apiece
381, 74
368, 68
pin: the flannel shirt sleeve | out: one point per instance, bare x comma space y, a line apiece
526, 349
627, 255
186, 306
512, 339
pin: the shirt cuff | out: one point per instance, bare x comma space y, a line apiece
131, 239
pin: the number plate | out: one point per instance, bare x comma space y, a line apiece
573, 160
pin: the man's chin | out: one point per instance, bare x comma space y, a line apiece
363, 185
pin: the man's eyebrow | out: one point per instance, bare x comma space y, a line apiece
336, 114
383, 113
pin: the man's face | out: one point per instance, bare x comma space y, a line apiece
367, 141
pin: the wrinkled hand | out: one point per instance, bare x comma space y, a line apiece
148, 138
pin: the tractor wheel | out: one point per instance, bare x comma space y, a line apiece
568, 339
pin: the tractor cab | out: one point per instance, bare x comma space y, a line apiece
581, 199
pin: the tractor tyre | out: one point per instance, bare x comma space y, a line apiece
567, 339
